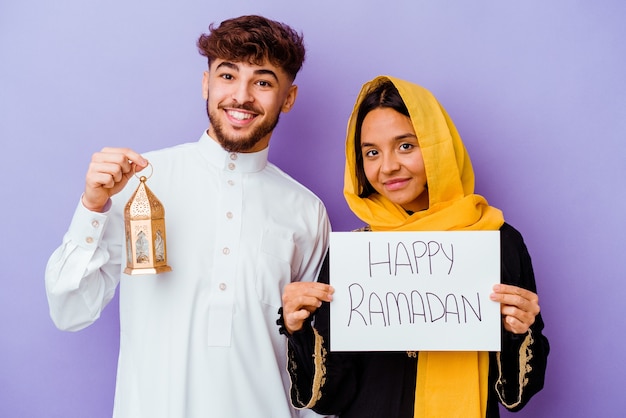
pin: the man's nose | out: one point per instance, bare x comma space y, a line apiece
241, 93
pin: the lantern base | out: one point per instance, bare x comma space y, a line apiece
149, 270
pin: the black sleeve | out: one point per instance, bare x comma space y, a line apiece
320, 380
518, 371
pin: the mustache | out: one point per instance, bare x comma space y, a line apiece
245, 106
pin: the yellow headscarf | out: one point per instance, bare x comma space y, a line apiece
449, 384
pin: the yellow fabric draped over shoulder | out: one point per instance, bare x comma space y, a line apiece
449, 384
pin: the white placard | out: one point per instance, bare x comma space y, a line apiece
397, 291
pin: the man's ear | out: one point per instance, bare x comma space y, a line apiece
290, 99
205, 85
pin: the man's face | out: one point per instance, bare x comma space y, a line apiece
244, 102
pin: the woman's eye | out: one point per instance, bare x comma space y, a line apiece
406, 147
371, 153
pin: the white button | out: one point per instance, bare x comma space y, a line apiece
89, 240
226, 251
231, 166
222, 286
233, 156
231, 183
95, 223
229, 215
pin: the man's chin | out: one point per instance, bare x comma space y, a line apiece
240, 138
237, 144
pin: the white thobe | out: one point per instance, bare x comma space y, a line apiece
201, 340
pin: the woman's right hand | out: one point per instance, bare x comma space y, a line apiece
301, 299
108, 173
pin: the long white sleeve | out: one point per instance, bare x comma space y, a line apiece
82, 274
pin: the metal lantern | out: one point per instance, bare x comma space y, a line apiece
144, 220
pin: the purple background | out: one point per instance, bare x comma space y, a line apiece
536, 89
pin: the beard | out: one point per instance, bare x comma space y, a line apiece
240, 143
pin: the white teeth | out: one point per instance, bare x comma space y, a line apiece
239, 115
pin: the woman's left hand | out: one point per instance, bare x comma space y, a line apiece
518, 306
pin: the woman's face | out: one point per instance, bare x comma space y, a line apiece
392, 159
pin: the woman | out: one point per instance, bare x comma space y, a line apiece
407, 170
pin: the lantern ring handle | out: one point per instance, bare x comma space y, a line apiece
146, 177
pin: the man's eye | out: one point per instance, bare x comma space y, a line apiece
227, 76
264, 84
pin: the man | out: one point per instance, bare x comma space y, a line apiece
201, 340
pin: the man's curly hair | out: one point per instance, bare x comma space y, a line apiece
254, 39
